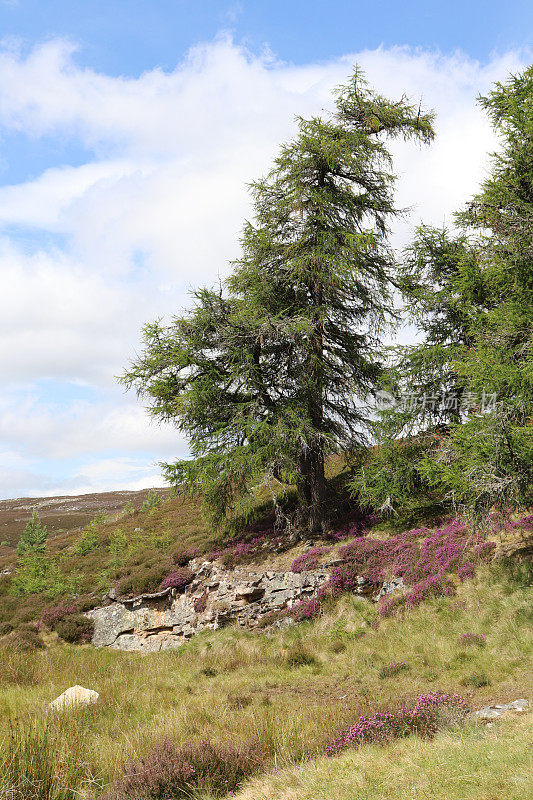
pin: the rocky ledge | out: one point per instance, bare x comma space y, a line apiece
214, 598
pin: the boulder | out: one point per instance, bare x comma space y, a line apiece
74, 697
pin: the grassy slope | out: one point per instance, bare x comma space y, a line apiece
231, 685
471, 763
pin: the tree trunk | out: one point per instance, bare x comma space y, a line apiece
313, 493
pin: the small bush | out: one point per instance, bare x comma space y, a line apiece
299, 657
54, 614
76, 629
430, 712
239, 700
200, 604
23, 638
142, 580
476, 679
178, 579
209, 672
390, 670
182, 557
309, 560
5, 628
153, 500
89, 540
472, 639
270, 618
168, 771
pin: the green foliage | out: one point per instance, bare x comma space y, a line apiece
472, 377
89, 540
269, 375
476, 679
118, 543
39, 573
153, 500
391, 474
33, 537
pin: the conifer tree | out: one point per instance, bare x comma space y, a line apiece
489, 459
33, 537
269, 377
471, 294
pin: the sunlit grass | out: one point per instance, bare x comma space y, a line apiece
471, 763
235, 686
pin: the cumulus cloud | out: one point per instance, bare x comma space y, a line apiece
91, 252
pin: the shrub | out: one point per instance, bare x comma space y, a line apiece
178, 579
200, 604
469, 639
299, 657
209, 672
476, 679
390, 670
153, 500
143, 579
75, 628
270, 618
33, 537
24, 638
54, 614
38, 573
429, 712
182, 557
5, 628
88, 541
168, 771
309, 560
239, 700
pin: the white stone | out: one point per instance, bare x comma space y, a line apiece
75, 696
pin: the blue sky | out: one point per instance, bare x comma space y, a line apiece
128, 130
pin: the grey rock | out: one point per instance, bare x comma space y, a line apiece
163, 620
489, 713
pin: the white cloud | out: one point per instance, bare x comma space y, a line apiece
159, 205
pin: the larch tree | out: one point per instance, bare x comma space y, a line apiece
268, 375
471, 294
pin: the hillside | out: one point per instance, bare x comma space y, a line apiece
256, 696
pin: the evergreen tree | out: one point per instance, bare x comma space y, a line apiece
270, 378
471, 294
489, 460
33, 537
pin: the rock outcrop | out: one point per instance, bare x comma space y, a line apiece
215, 597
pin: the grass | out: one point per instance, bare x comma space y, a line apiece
292, 690
472, 763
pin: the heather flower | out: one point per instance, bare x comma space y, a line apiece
52, 615
309, 560
423, 718
178, 579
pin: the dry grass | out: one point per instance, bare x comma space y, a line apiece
292, 705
